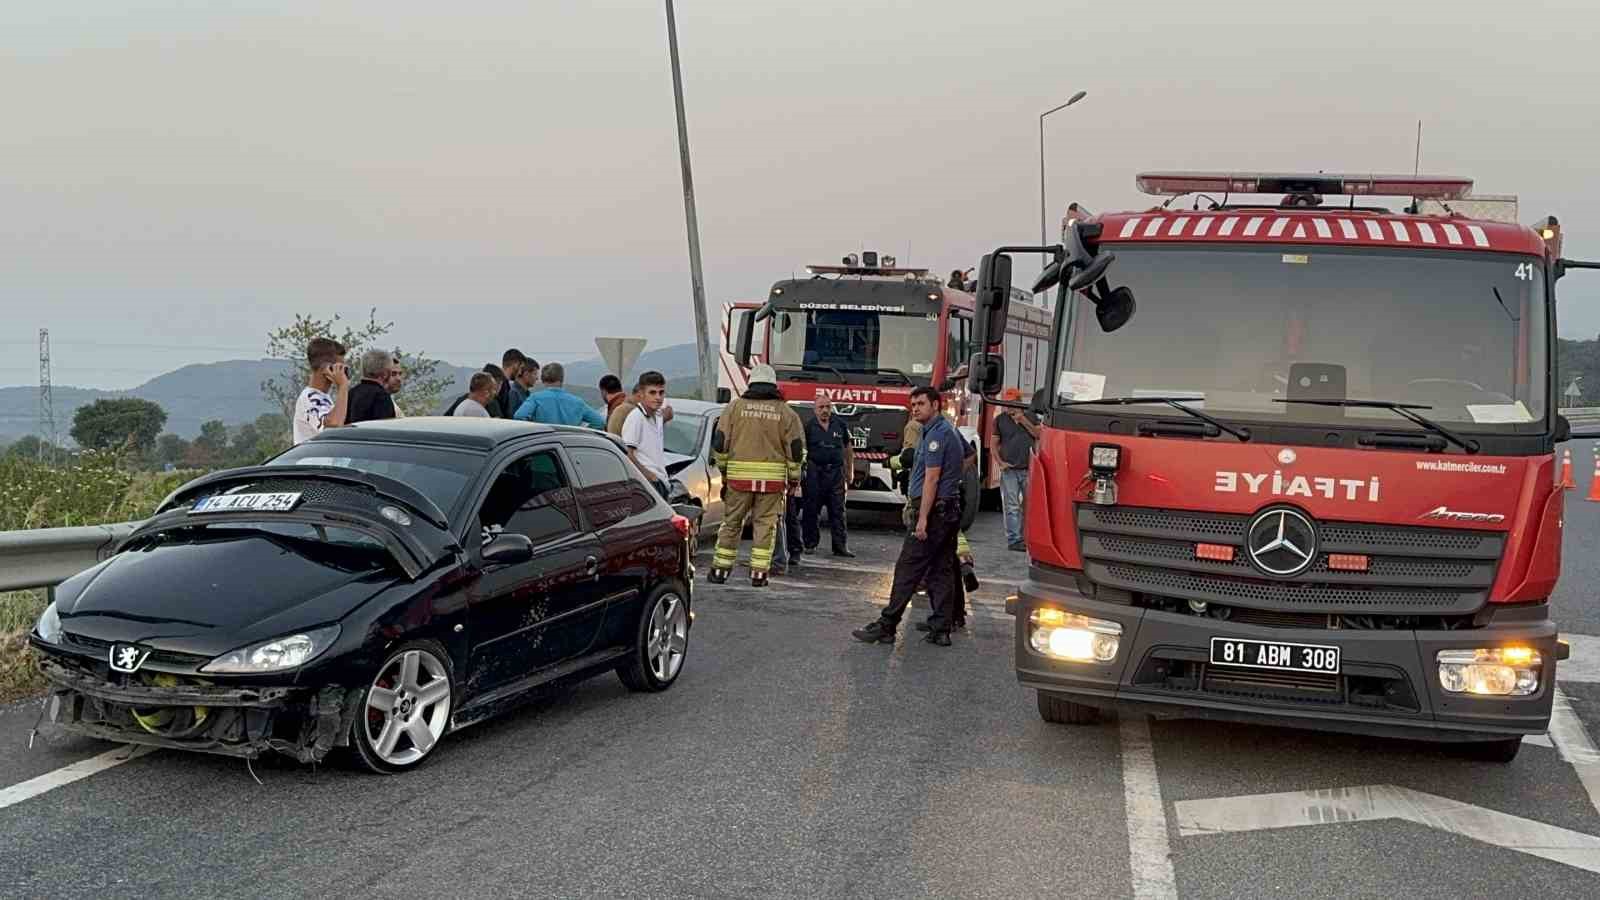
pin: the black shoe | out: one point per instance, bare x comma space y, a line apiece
1019, 546
758, 579
718, 576
969, 578
939, 638
874, 633
843, 553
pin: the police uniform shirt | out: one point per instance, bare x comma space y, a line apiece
825, 446
941, 445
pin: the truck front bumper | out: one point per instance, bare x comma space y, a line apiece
1388, 682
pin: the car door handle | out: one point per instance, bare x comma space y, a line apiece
591, 565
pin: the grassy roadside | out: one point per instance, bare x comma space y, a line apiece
18, 675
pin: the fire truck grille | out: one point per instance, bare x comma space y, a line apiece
1398, 570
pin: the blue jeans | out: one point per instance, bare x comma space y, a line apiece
1013, 490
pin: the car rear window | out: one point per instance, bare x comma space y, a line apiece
439, 475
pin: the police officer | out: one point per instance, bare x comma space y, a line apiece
929, 548
829, 462
760, 448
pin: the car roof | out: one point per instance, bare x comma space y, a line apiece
467, 432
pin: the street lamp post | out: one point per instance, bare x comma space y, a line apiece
702, 334
1074, 99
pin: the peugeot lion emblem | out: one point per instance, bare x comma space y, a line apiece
1281, 542
127, 658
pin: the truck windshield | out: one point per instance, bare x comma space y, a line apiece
856, 341
1241, 328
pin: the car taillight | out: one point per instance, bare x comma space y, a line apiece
682, 524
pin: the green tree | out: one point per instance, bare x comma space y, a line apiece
423, 385
123, 422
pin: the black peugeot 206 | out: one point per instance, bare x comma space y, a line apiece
373, 588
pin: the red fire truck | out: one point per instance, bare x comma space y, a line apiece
1298, 463
864, 333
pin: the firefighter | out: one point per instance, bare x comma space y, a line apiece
760, 447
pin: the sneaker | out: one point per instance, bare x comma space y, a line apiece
874, 633
969, 578
843, 553
938, 638
758, 579
1018, 546
718, 576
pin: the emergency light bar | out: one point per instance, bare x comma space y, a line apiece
1422, 187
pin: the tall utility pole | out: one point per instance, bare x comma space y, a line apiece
47, 403
1073, 99
702, 333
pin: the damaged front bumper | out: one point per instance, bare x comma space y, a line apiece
301, 722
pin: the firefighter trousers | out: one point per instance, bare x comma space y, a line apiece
764, 510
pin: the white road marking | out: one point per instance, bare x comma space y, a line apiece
1149, 854
1585, 662
1385, 801
66, 775
1572, 742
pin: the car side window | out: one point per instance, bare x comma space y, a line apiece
608, 490
531, 497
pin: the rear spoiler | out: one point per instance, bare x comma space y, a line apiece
386, 487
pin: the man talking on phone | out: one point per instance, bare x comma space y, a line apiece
324, 401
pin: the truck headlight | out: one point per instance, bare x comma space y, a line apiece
1063, 635
49, 627
1490, 671
275, 655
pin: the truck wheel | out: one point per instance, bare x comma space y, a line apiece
1059, 710
1502, 751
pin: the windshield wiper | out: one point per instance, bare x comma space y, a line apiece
1403, 410
1243, 434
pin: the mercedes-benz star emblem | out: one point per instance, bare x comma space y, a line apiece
1281, 542
127, 658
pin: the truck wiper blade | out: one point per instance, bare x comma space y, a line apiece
1242, 434
1403, 410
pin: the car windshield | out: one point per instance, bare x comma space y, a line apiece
1241, 328
856, 340
439, 475
682, 434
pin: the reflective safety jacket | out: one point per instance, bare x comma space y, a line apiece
760, 444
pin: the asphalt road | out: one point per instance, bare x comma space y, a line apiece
792, 761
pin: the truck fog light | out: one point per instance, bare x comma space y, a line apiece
1064, 635
1490, 671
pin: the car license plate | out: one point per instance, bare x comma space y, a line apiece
277, 502
1277, 655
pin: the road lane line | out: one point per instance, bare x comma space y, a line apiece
1572, 742
1374, 802
66, 775
1149, 854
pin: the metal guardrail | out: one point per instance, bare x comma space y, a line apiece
45, 557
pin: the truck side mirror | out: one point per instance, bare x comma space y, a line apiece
994, 296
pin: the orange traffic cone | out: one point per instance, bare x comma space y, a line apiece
1566, 470
1594, 483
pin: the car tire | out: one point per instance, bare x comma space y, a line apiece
1058, 710
661, 642
1501, 751
405, 709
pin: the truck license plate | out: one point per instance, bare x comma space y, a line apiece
1276, 655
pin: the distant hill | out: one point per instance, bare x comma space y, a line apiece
231, 391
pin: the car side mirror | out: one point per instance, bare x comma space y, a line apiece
994, 296
508, 550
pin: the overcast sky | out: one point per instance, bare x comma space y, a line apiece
178, 177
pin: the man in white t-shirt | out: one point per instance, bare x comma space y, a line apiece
480, 390
323, 402
644, 431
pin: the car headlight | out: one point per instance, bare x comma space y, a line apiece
1063, 635
49, 627
274, 655
1490, 671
